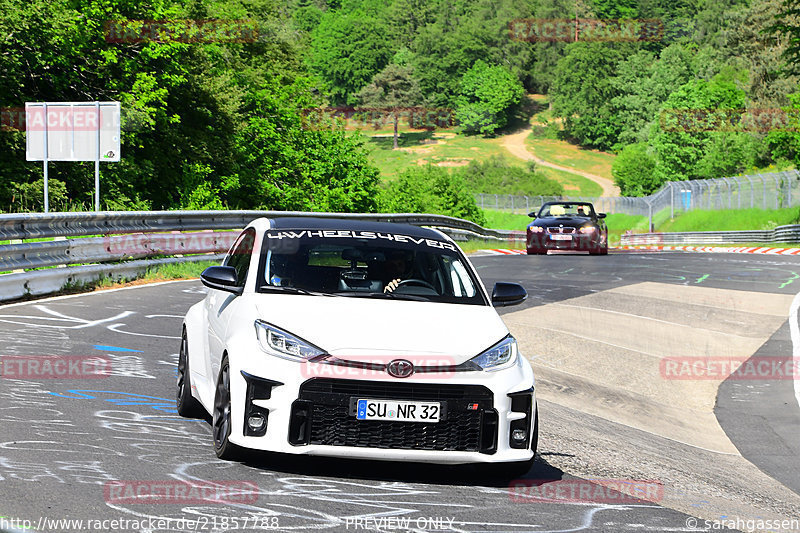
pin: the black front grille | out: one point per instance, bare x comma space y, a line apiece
323, 415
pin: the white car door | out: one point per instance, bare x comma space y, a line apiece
220, 304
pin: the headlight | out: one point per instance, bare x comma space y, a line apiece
536, 229
277, 342
501, 355
587, 229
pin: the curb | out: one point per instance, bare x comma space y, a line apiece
719, 249
700, 249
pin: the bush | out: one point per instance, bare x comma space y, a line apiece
633, 171
431, 189
497, 176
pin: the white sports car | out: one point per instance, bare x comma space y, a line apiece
356, 339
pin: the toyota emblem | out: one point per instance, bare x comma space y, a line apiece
400, 368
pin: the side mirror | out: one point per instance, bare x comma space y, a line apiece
505, 294
601, 215
532, 214
222, 278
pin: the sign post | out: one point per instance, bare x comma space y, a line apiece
72, 131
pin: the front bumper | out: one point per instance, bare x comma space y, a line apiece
308, 412
575, 241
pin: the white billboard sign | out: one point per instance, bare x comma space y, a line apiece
71, 131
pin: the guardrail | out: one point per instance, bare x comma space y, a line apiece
790, 233
129, 240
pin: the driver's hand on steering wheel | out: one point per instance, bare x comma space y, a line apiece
392, 285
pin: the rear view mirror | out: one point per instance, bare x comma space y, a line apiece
222, 278
601, 215
505, 294
532, 214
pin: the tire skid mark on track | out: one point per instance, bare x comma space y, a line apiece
161, 446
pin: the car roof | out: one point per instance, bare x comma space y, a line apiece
313, 223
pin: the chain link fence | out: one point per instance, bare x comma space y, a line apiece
767, 191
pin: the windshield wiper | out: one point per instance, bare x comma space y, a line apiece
385, 295
292, 290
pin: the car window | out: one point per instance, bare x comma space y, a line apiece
567, 210
239, 258
462, 284
364, 264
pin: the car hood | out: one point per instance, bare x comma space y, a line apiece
361, 327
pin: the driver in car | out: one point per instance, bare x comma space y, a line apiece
396, 268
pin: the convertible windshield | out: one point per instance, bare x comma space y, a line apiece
366, 264
566, 210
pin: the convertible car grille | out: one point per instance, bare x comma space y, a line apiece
323, 415
560, 230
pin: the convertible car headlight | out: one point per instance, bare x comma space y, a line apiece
587, 229
279, 343
501, 355
536, 229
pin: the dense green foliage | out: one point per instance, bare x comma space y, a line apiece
488, 96
206, 124
216, 123
497, 175
431, 189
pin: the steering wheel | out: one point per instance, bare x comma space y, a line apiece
416, 281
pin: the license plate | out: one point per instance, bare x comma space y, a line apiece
561, 237
398, 411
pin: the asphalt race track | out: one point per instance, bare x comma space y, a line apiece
595, 328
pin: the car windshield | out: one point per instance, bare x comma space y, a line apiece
366, 264
566, 210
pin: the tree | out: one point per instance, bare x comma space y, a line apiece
643, 84
465, 32
431, 189
292, 163
348, 48
489, 93
391, 90
787, 24
633, 171
693, 117
583, 91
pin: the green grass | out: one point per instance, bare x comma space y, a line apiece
444, 148
472, 246
505, 220
167, 272
574, 185
731, 219
572, 156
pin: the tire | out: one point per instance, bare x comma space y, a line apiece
221, 421
186, 404
536, 252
